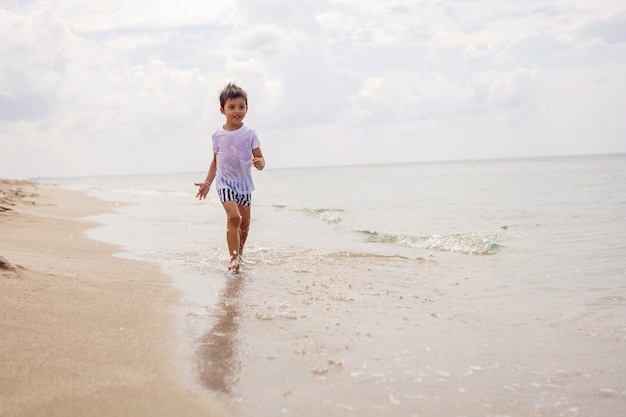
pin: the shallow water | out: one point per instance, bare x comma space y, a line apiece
468, 288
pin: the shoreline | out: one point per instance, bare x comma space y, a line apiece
84, 332
304, 330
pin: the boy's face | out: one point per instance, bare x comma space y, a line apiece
235, 110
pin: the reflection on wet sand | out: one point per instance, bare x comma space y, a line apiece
217, 360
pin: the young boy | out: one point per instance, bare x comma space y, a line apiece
236, 148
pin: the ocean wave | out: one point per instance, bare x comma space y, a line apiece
326, 214
475, 243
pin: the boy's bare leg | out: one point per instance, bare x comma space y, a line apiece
244, 227
233, 223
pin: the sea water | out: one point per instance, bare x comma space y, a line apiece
558, 218
543, 239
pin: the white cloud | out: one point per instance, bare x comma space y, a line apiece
512, 88
155, 15
121, 87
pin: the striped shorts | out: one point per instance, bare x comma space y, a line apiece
229, 195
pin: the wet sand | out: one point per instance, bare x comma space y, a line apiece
83, 333
367, 335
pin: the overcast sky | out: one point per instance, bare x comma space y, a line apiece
120, 87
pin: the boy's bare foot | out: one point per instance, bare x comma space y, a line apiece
235, 264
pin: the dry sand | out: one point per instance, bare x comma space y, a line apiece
84, 333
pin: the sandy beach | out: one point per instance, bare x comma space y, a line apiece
299, 331
84, 333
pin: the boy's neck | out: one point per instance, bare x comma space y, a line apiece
230, 127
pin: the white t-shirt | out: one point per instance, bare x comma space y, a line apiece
234, 158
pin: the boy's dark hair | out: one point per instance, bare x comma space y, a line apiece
232, 91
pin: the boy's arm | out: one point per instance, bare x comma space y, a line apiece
210, 177
258, 161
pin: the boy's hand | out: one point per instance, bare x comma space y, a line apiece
203, 190
258, 162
